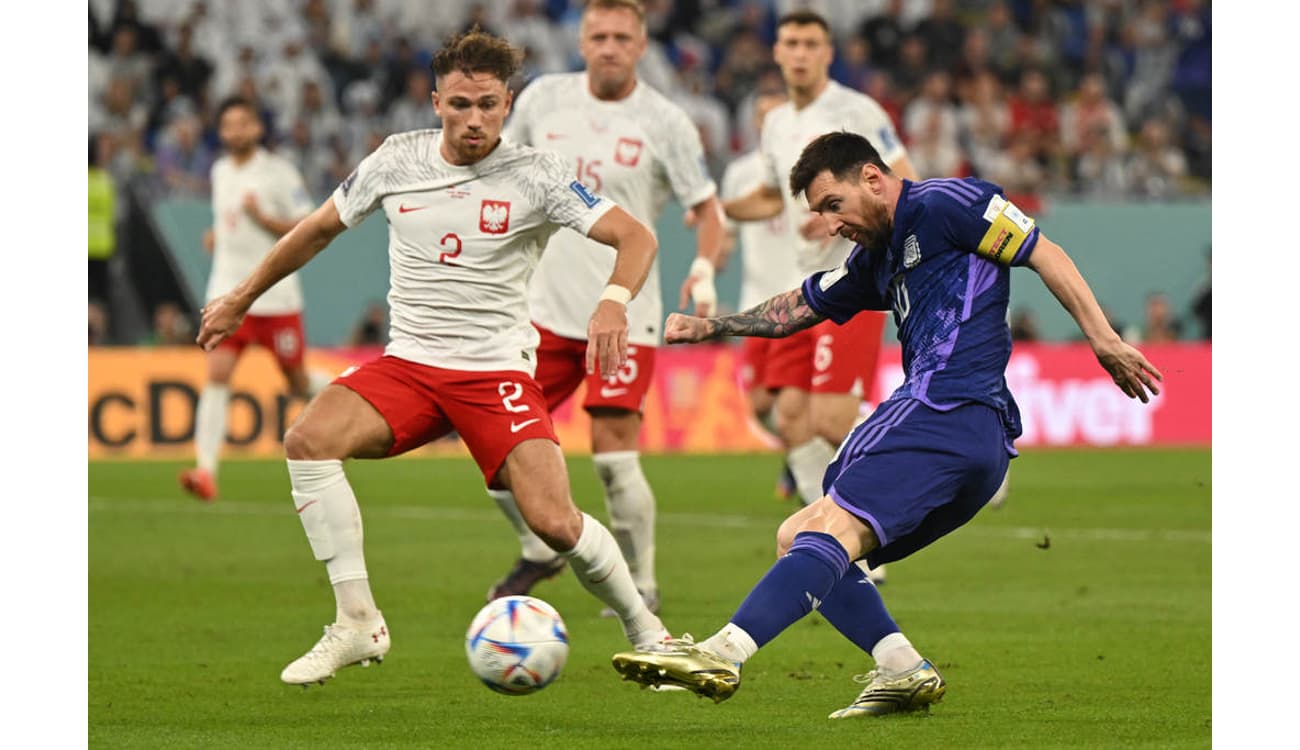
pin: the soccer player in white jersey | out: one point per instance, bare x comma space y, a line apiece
469, 215
630, 143
822, 374
767, 262
257, 197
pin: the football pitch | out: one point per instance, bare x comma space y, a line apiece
1077, 615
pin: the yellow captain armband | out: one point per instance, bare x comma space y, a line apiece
1008, 228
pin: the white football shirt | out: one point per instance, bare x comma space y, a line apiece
239, 242
767, 248
463, 242
786, 131
638, 152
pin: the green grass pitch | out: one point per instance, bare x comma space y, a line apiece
1078, 615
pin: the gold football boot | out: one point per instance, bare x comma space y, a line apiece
680, 663
887, 694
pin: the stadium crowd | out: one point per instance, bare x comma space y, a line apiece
1097, 98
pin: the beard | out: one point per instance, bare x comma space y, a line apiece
879, 229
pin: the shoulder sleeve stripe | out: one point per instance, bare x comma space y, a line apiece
928, 187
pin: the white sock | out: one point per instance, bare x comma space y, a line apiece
330, 516
210, 425
894, 653
316, 382
601, 570
631, 506
808, 464
531, 546
731, 643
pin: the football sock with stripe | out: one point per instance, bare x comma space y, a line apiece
601, 569
793, 587
329, 513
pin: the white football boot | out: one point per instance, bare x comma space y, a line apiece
341, 646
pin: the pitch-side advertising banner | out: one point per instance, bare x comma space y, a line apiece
141, 401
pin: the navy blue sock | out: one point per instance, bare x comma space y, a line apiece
793, 587
855, 608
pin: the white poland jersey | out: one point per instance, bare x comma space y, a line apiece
786, 131
637, 151
239, 243
463, 241
767, 247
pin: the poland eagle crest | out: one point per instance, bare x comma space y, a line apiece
494, 217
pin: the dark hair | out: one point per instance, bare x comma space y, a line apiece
476, 51
232, 102
841, 153
803, 18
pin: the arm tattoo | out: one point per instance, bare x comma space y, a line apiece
778, 317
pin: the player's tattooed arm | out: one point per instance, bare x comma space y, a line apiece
778, 317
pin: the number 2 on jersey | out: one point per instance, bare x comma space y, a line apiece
455, 242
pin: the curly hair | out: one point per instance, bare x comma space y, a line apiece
476, 51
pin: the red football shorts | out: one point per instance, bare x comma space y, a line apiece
562, 365
754, 355
282, 334
829, 358
491, 411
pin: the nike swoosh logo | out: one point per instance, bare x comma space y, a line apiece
554, 136
303, 507
602, 578
819, 379
404, 209
516, 427
611, 392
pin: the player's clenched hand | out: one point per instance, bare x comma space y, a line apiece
607, 338
685, 329
1129, 369
221, 317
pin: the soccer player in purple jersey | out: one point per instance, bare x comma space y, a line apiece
938, 254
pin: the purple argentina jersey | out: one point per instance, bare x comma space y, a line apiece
946, 277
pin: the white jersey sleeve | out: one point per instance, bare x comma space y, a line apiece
566, 201
359, 194
678, 146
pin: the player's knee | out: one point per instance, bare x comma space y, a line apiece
305, 442
560, 530
785, 537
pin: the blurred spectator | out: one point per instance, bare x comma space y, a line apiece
1090, 111
310, 155
884, 35
529, 28
930, 128
97, 316
1156, 167
1201, 302
1034, 115
185, 67
1101, 171
395, 81
126, 61
1024, 326
319, 110
1019, 173
1154, 53
372, 329
984, 120
170, 104
127, 15
414, 111
973, 61
1160, 326
184, 160
356, 24
282, 80
852, 66
101, 222
913, 66
744, 60
943, 34
1003, 38
170, 327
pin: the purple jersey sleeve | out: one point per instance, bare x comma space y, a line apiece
992, 227
845, 291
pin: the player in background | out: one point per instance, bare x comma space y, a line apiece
820, 375
468, 216
939, 254
768, 265
631, 144
257, 197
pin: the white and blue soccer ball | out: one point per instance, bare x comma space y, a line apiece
517, 644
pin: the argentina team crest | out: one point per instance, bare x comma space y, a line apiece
911, 252
494, 217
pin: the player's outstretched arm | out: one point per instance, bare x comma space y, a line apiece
1127, 366
607, 329
778, 317
709, 238
223, 315
763, 203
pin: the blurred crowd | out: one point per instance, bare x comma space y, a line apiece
1102, 98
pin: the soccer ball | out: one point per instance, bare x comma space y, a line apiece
517, 644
